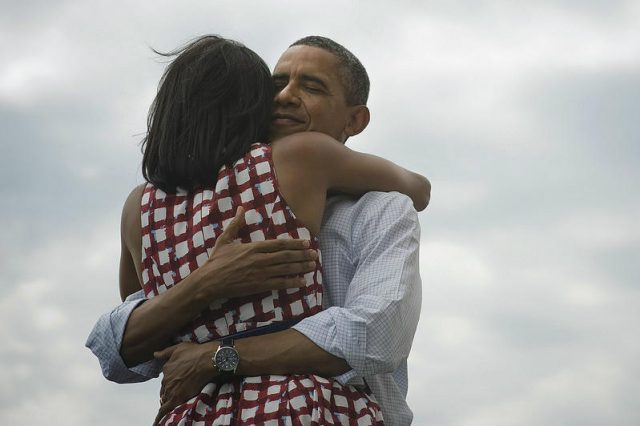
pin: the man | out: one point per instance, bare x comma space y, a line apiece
370, 259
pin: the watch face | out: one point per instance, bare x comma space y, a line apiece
227, 358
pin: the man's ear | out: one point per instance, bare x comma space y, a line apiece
358, 120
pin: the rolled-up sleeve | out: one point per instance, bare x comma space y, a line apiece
105, 341
374, 329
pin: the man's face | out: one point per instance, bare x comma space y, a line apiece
309, 94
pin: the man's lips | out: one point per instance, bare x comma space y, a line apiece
280, 119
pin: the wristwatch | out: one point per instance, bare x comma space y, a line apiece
226, 358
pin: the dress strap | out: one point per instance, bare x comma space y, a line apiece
258, 331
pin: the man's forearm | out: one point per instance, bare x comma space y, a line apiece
234, 270
155, 322
286, 352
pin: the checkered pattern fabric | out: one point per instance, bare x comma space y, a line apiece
178, 233
277, 400
179, 230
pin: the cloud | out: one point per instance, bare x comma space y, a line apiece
509, 330
48, 376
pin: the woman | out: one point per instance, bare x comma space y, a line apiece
213, 105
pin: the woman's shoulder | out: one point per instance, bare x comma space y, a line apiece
130, 221
312, 146
303, 138
132, 203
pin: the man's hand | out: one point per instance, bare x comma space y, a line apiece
188, 368
242, 269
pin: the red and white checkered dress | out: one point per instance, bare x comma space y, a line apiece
178, 233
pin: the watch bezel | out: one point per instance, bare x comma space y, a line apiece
229, 352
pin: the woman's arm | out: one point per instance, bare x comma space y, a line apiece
131, 245
339, 168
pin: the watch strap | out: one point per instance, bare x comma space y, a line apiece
227, 341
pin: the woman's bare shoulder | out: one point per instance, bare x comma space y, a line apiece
312, 145
130, 223
132, 203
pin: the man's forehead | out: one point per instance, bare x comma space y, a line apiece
308, 60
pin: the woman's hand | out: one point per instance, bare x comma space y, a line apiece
187, 369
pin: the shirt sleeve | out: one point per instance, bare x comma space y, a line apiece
105, 341
374, 329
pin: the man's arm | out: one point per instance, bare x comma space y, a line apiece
188, 366
371, 334
373, 331
232, 270
105, 340
131, 333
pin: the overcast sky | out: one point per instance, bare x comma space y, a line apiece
524, 115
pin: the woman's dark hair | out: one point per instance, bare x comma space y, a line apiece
214, 100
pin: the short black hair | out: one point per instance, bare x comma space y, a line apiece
214, 100
353, 74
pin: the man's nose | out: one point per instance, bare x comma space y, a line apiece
288, 95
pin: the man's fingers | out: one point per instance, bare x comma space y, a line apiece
282, 283
165, 354
285, 256
231, 230
166, 407
159, 417
289, 269
270, 246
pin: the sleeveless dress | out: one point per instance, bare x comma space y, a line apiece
178, 233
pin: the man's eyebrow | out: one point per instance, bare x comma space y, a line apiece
306, 78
